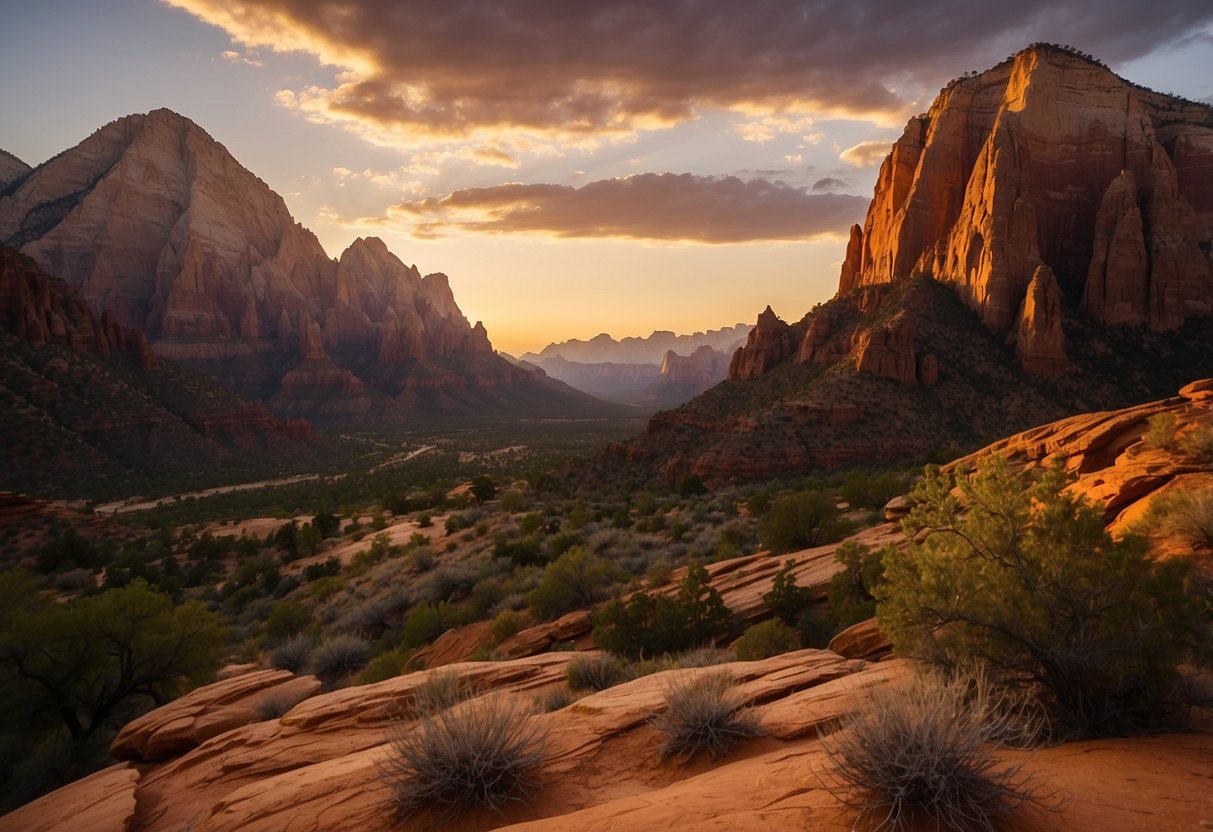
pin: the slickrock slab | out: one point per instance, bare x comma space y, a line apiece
101, 802
187, 722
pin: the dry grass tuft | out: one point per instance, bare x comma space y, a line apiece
925, 749
704, 713
480, 753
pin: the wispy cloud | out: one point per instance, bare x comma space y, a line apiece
647, 206
868, 153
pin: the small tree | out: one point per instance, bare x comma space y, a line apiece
800, 521
483, 489
852, 591
786, 600
1027, 582
575, 579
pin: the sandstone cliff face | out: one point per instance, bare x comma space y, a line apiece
155, 222
1021, 166
699, 370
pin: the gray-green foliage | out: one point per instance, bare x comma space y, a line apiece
800, 521
1024, 580
576, 579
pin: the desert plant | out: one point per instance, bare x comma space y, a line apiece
340, 656
505, 624
1187, 514
1027, 583
926, 748
441, 690
293, 654
576, 579
276, 705
596, 672
1160, 431
800, 521
786, 600
384, 666
852, 591
483, 753
765, 639
703, 713
1197, 443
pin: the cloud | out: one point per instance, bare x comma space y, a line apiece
236, 58
550, 71
828, 183
866, 154
647, 206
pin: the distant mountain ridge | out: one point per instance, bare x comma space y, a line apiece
1038, 244
650, 349
153, 220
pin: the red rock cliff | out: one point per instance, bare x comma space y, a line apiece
1021, 166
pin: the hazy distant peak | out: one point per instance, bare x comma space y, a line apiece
11, 169
603, 348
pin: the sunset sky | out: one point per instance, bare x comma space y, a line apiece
575, 167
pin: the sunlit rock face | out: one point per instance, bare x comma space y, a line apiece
155, 222
1049, 159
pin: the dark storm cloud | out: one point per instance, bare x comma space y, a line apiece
458, 68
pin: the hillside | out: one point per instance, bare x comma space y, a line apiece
88, 408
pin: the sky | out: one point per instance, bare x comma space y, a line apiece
573, 166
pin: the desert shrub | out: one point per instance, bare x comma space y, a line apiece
387, 665
505, 624
483, 753
316, 571
575, 579
424, 520
554, 700
441, 690
927, 749
596, 672
1160, 431
447, 582
701, 657
288, 618
765, 639
374, 616
512, 501
658, 573
523, 551
1197, 443
852, 591
801, 521
276, 704
649, 625
703, 713
815, 628
340, 656
293, 654
786, 600
862, 490
1187, 514
428, 621
1027, 582
691, 486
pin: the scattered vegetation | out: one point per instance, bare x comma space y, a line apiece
765, 639
483, 753
1186, 514
801, 521
926, 749
703, 713
597, 672
1026, 582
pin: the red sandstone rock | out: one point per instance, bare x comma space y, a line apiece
887, 349
1040, 341
770, 342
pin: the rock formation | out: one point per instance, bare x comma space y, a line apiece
154, 222
770, 342
1040, 341
11, 169
697, 371
1049, 159
887, 350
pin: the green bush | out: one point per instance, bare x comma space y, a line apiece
1197, 443
801, 521
786, 600
288, 618
852, 591
926, 749
428, 621
703, 713
1160, 431
862, 490
481, 754
575, 579
1027, 582
505, 624
649, 625
387, 665
765, 639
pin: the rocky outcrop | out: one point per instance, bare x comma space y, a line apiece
887, 350
1040, 341
769, 344
697, 371
1048, 159
41, 310
153, 221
